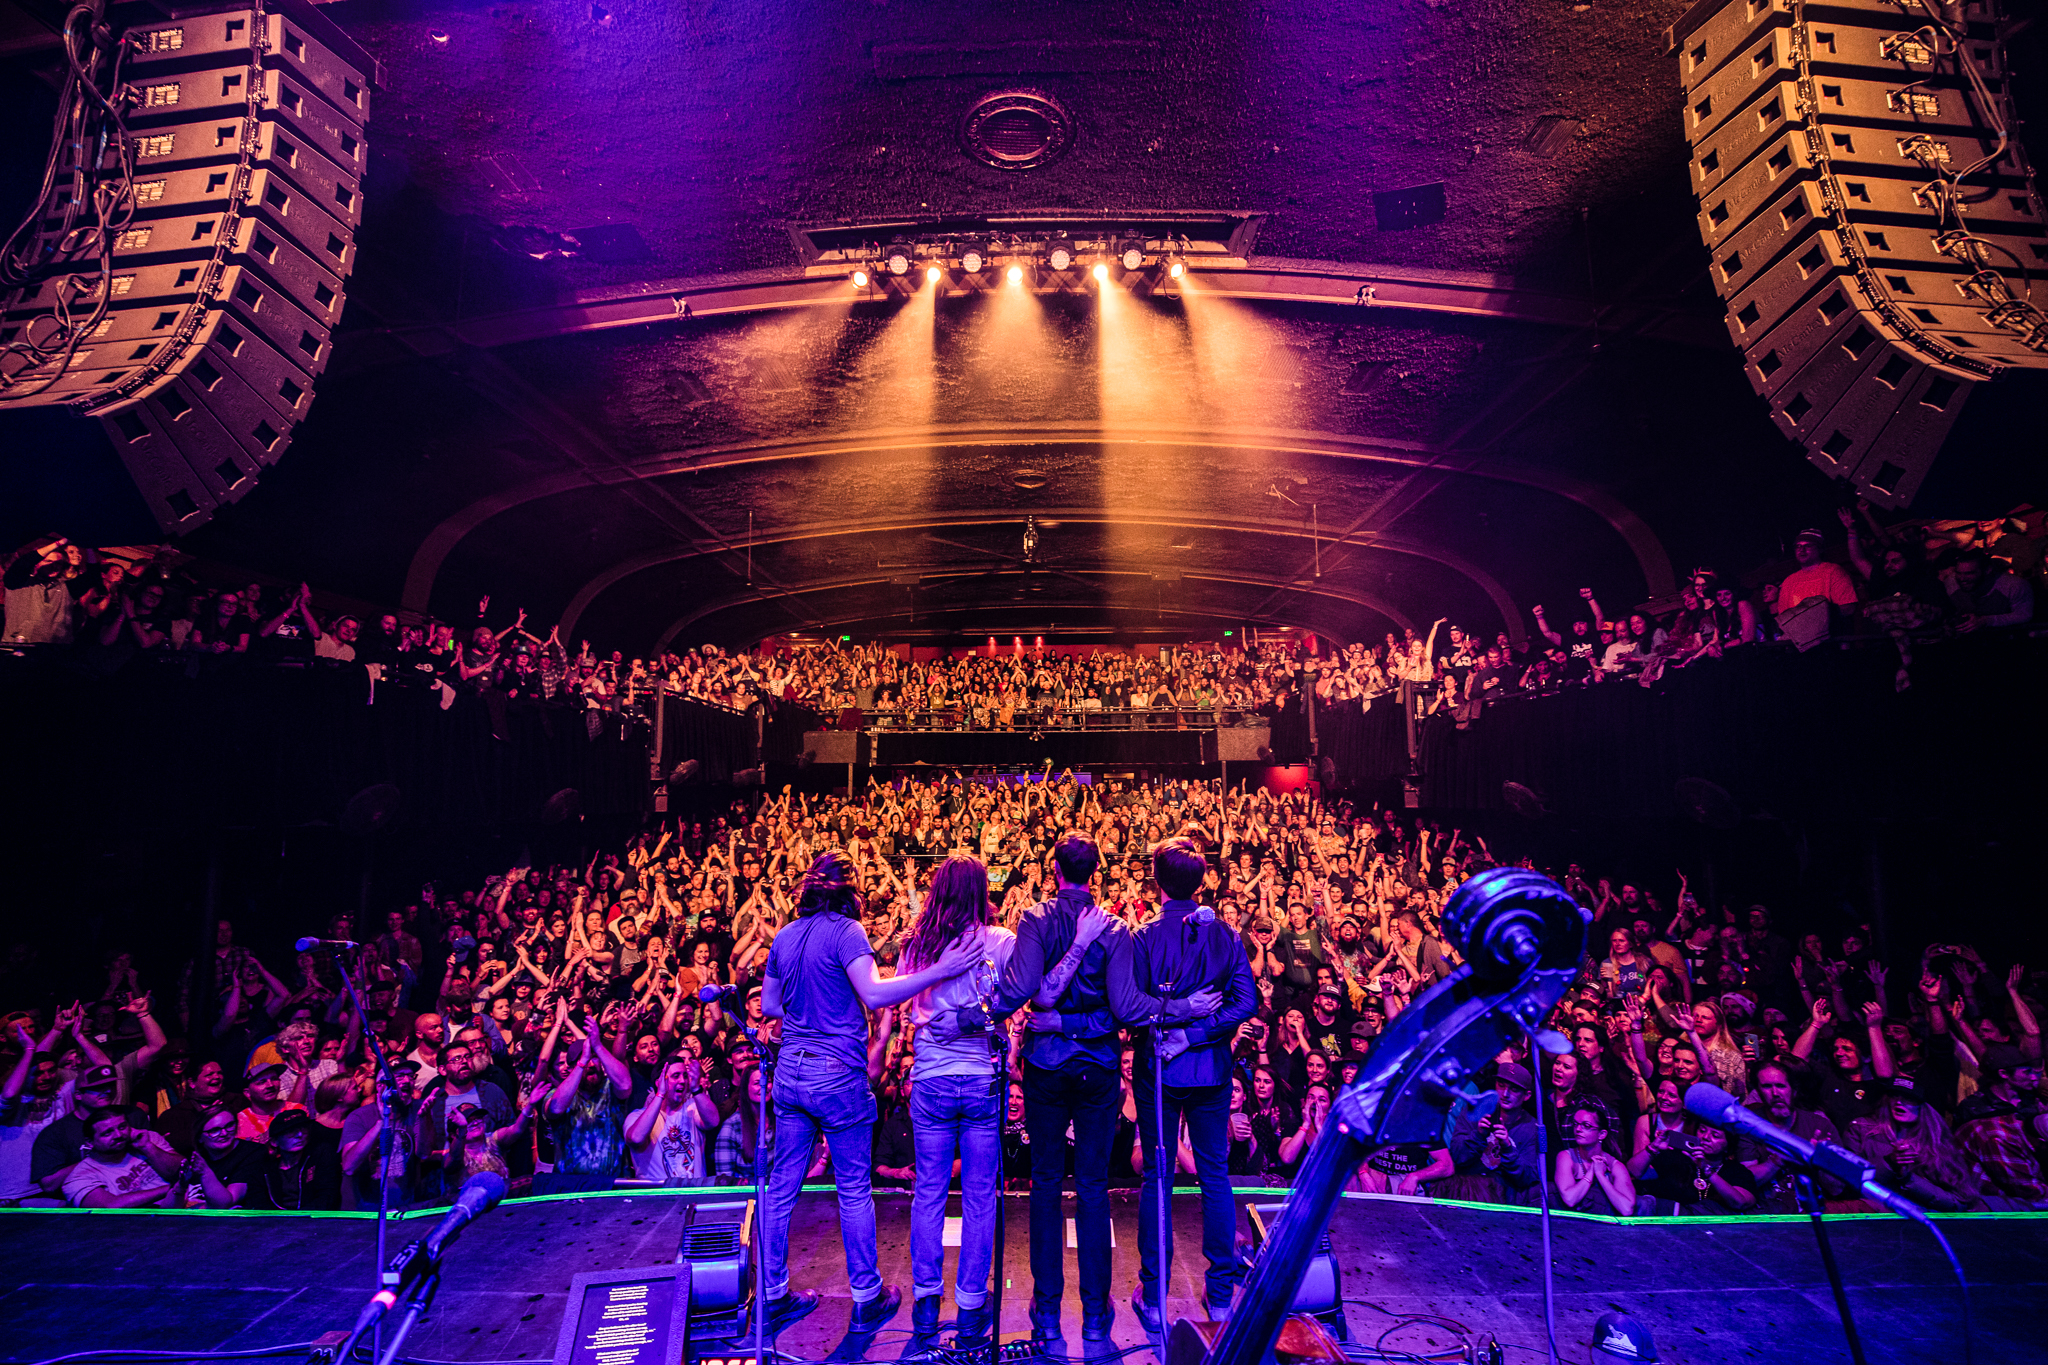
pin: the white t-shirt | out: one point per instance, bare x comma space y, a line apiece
125, 1176
20, 1121
971, 1055
677, 1149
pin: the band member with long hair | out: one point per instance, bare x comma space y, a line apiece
821, 972
957, 1094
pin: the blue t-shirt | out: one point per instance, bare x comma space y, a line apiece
820, 1013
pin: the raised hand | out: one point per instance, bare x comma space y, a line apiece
138, 1006
1873, 1014
1822, 1012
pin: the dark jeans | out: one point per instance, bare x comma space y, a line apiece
1207, 1111
1085, 1094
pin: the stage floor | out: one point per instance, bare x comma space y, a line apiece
1711, 1291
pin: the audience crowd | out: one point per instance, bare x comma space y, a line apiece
546, 1024
1911, 582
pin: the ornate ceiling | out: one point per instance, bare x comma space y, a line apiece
1551, 403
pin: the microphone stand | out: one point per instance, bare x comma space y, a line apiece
421, 1298
765, 1064
387, 1085
1810, 1201
1162, 1178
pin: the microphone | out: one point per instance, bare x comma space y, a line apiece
307, 945
1723, 1110
480, 1193
715, 993
1201, 914
417, 1260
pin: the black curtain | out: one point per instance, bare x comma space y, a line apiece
1821, 734
721, 741
179, 742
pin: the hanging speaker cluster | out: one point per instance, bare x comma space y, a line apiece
1872, 221
241, 159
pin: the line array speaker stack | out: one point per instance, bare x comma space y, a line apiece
1872, 222
245, 151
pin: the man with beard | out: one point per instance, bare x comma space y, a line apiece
461, 1082
1779, 1087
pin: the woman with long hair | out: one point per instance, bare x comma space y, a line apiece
1914, 1152
1590, 1177
956, 1096
1563, 1091
1664, 1124
1719, 1048
1274, 1121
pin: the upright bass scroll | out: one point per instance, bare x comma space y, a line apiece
1521, 938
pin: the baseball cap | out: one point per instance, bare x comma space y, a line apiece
96, 1078
1814, 535
257, 1070
1516, 1075
1622, 1337
1998, 1057
290, 1121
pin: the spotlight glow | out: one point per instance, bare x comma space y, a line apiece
860, 279
1016, 275
1176, 270
931, 274
1101, 273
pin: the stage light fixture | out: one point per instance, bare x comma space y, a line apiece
898, 260
1101, 273
1016, 274
932, 274
860, 279
1176, 270
1059, 253
1132, 253
971, 261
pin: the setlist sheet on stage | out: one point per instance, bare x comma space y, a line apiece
625, 1317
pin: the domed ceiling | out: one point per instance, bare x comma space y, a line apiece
1362, 425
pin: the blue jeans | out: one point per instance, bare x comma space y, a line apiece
1207, 1111
954, 1116
1084, 1093
816, 1094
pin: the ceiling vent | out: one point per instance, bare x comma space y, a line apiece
1016, 130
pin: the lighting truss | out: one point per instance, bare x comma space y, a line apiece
1048, 253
